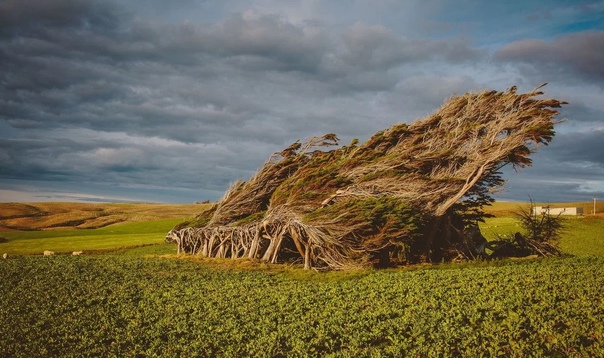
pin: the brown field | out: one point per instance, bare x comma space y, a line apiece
52, 216
507, 208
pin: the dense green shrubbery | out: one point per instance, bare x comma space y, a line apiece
132, 306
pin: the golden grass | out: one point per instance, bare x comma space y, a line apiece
53, 216
507, 208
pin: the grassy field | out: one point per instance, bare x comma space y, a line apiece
108, 238
67, 227
582, 235
147, 301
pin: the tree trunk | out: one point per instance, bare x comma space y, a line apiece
307, 263
432, 231
384, 258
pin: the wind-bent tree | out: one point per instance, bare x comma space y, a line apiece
415, 191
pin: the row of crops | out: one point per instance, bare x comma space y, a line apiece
133, 306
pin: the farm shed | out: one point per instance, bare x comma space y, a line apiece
573, 211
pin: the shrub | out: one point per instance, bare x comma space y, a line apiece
540, 227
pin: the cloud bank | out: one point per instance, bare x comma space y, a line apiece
139, 101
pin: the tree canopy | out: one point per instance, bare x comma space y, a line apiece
411, 191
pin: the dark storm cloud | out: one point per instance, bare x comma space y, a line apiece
579, 54
24, 17
107, 94
569, 169
580, 113
133, 78
376, 47
434, 91
527, 187
255, 36
119, 161
583, 147
367, 57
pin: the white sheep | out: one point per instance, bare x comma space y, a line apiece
77, 253
5, 256
48, 253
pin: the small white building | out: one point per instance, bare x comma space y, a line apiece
557, 211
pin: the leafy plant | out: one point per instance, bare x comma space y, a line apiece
120, 305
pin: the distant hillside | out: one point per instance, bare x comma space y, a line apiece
52, 216
49, 216
507, 208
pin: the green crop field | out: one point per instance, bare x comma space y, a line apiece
109, 305
144, 300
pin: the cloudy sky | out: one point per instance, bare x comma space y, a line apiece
171, 101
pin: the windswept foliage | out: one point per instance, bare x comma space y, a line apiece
410, 190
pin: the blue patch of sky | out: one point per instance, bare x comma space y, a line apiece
587, 25
495, 24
